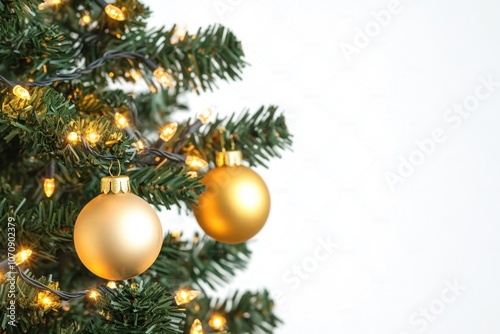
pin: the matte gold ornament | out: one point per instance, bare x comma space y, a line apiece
236, 202
117, 235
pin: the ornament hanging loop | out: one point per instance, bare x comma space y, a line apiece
110, 170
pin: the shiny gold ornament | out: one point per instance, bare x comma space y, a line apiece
117, 235
236, 202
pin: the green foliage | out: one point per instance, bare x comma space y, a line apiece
138, 308
31, 316
199, 263
260, 136
246, 313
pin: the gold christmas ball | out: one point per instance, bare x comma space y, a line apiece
117, 235
235, 204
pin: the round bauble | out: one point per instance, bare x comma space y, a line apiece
235, 204
117, 235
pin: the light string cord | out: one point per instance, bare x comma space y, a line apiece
110, 55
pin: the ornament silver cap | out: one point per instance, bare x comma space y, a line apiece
115, 184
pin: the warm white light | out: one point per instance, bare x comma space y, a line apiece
139, 144
195, 162
92, 138
184, 296
120, 121
217, 321
196, 328
168, 132
93, 295
72, 137
21, 92
114, 12
85, 19
163, 77
134, 74
22, 256
49, 186
205, 115
178, 35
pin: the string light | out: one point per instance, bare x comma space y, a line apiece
22, 256
192, 174
49, 186
134, 74
196, 328
114, 12
49, 3
120, 121
139, 145
45, 301
175, 235
168, 132
163, 77
92, 138
93, 295
21, 92
111, 285
184, 296
178, 35
205, 115
217, 321
85, 19
72, 138
195, 162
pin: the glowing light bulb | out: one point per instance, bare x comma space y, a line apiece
49, 3
72, 138
85, 19
139, 144
192, 174
217, 321
196, 328
184, 296
92, 138
111, 285
114, 12
21, 92
205, 115
120, 121
195, 162
93, 295
46, 301
175, 234
49, 186
168, 132
136, 75
178, 35
163, 77
22, 256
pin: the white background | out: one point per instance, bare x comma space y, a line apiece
396, 251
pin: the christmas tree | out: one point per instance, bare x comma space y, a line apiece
74, 261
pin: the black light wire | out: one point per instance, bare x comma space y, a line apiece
110, 55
